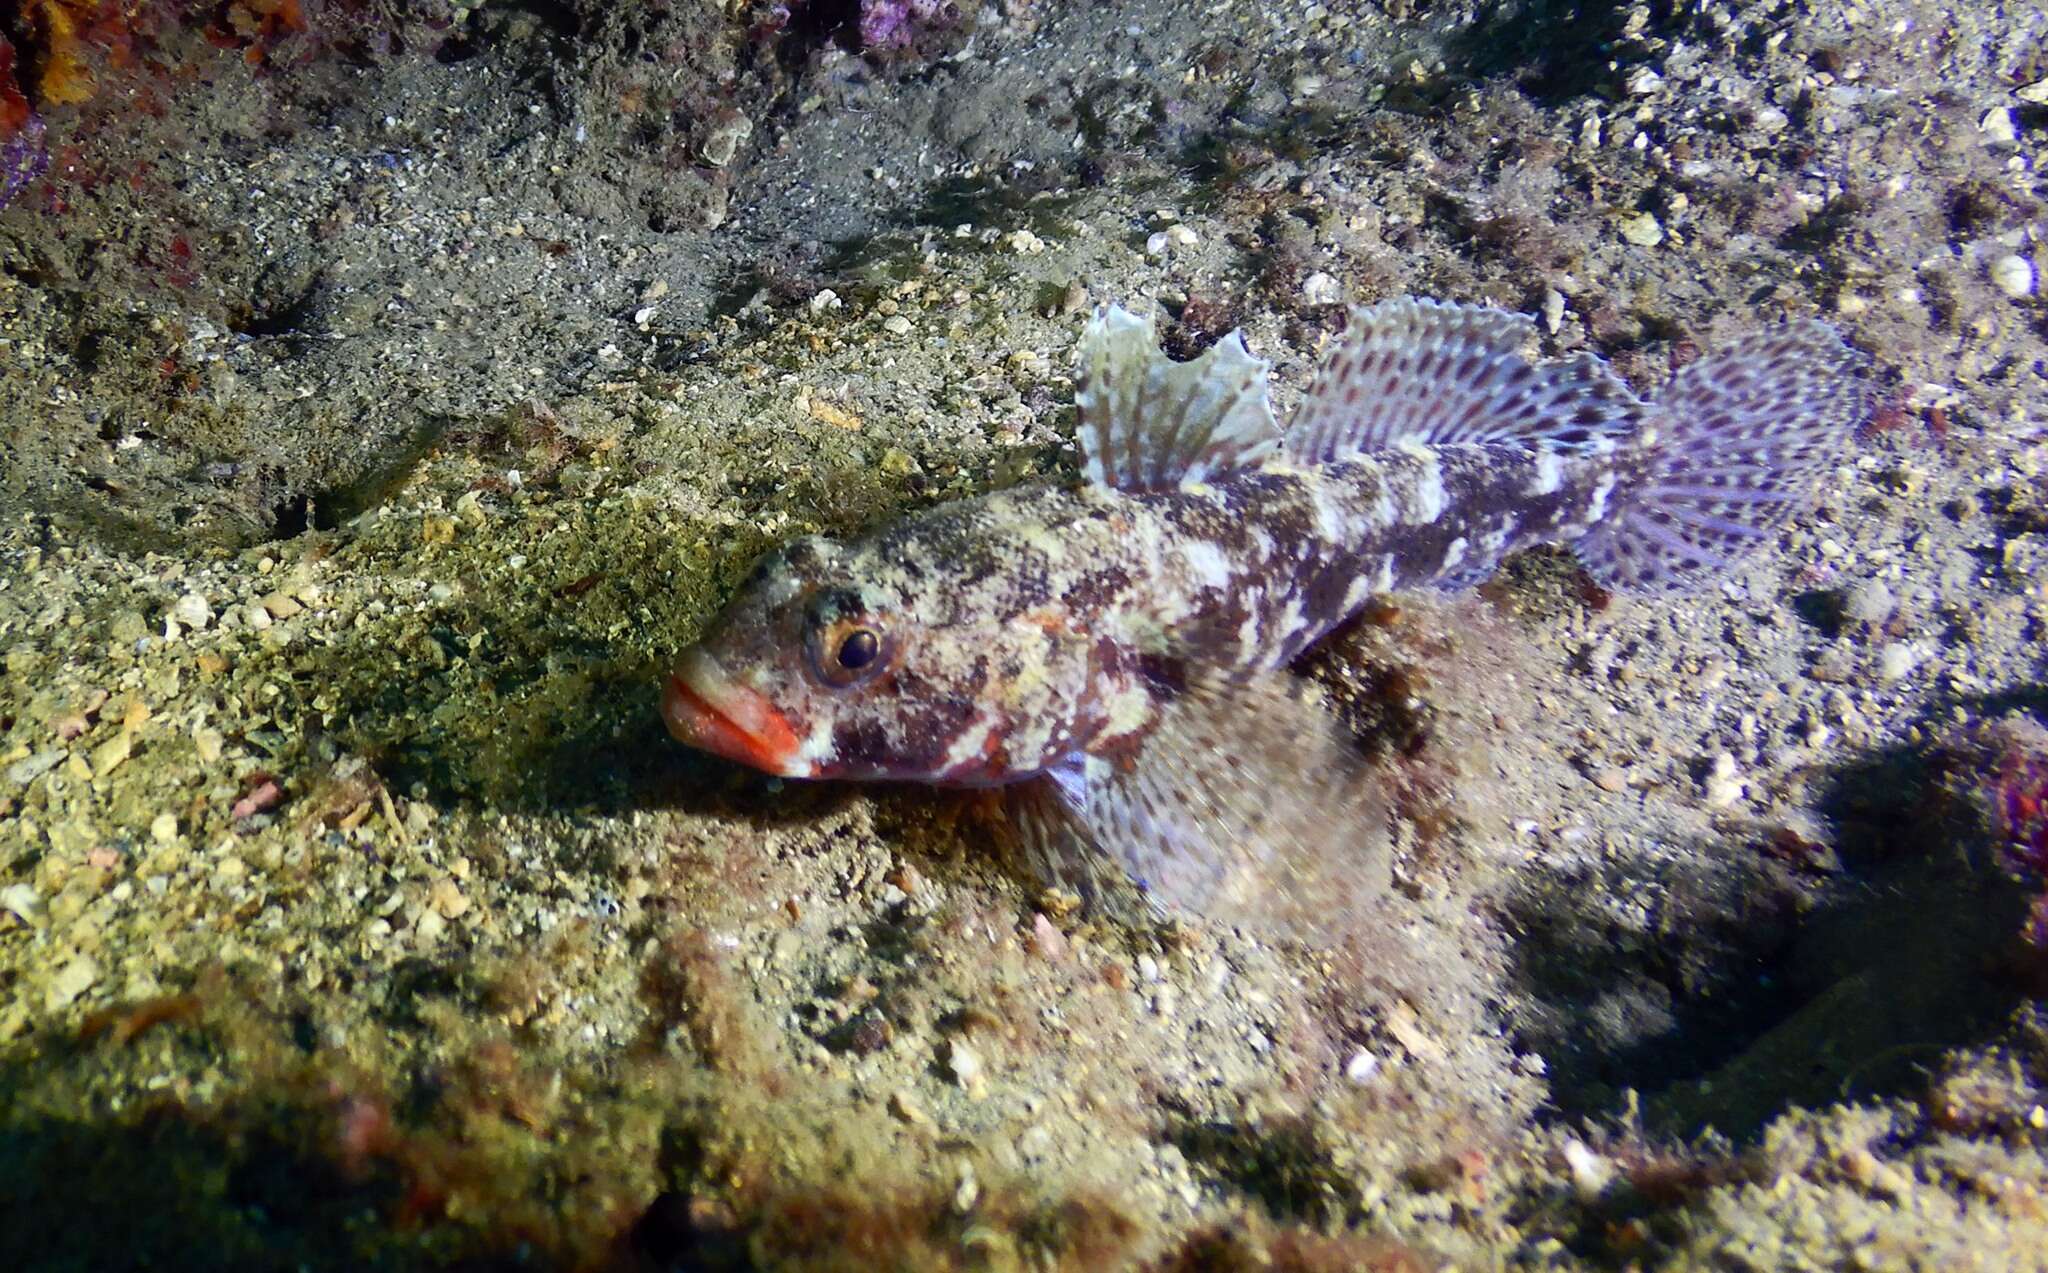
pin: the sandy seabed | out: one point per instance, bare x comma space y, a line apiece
389, 394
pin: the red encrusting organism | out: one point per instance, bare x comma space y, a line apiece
2016, 790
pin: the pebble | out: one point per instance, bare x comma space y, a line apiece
447, 900
907, 1109
27, 770
1865, 1168
427, 929
729, 130
1896, 661
164, 828
2013, 274
896, 325
966, 1068
1642, 230
71, 981
1591, 1174
1610, 779
22, 901
1361, 1067
192, 611
1833, 665
1047, 939
1868, 601
1320, 288
110, 754
1997, 125
1724, 785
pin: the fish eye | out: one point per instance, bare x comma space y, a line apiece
846, 645
858, 648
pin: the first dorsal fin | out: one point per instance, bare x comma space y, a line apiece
1149, 423
1442, 373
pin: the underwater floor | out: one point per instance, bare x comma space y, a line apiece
388, 392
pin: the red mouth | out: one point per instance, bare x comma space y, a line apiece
707, 710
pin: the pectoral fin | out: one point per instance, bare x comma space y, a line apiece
1241, 806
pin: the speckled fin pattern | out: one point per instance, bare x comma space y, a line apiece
1440, 374
1244, 806
1147, 423
1736, 441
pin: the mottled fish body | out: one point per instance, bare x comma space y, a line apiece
1111, 650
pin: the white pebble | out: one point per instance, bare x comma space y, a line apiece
1997, 125
1724, 784
1591, 1173
192, 611
2013, 274
1361, 1067
1320, 289
1897, 660
965, 1064
23, 901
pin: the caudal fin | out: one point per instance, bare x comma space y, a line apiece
1733, 444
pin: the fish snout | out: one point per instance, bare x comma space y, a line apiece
706, 709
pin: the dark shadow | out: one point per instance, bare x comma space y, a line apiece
173, 1187
1554, 50
1820, 609
1281, 1163
1772, 972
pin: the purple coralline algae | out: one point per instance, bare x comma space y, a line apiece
23, 159
895, 24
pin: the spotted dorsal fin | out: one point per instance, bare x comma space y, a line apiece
1441, 373
1148, 423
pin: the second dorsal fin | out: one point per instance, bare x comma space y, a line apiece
1149, 423
1441, 373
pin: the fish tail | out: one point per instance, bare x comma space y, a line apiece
1729, 450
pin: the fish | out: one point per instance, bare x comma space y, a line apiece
1111, 652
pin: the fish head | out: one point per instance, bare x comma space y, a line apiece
881, 660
